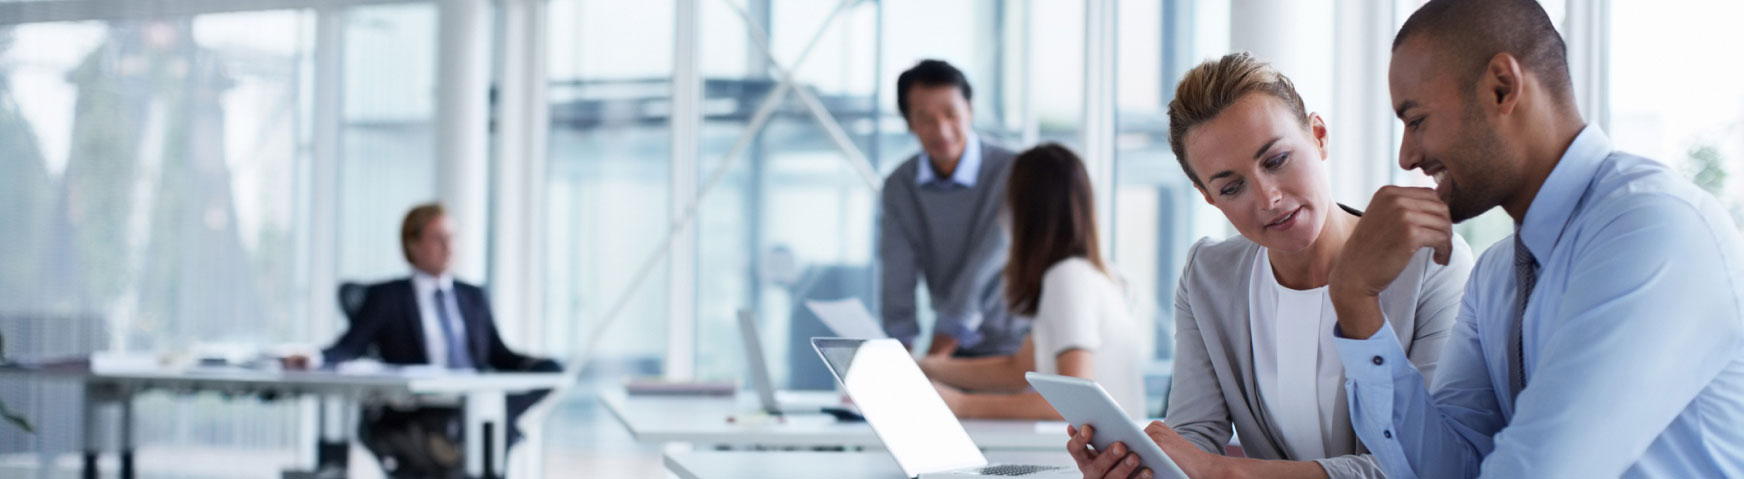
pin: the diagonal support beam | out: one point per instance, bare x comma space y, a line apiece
765, 110
856, 159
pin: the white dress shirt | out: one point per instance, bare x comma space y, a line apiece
435, 344
1297, 367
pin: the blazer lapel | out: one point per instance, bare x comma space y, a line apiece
416, 317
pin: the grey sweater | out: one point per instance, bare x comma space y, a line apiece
951, 237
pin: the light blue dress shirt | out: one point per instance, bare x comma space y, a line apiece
968, 168
1633, 341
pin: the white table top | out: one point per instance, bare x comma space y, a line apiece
705, 420
810, 465
320, 381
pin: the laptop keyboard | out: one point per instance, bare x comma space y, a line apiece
1014, 470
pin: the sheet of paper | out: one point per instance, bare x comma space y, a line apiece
848, 318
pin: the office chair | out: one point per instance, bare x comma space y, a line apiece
351, 299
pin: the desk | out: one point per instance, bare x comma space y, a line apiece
481, 397
703, 421
808, 465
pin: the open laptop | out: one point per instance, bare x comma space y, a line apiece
909, 416
758, 362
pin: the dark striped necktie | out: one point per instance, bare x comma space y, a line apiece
1525, 277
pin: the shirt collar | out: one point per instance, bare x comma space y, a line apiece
427, 283
1548, 215
968, 168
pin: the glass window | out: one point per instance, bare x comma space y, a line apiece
792, 218
608, 188
1158, 214
1674, 98
388, 159
154, 194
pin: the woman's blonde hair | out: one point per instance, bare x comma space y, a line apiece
1213, 86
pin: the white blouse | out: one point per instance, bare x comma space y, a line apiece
1295, 360
1082, 308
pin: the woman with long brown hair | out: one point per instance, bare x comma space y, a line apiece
1082, 324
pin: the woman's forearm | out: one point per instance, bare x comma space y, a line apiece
991, 374
1024, 405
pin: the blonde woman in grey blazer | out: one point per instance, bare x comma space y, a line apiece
1253, 351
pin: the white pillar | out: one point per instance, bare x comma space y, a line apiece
1587, 31
686, 124
323, 179
462, 127
517, 233
1361, 119
1293, 35
1100, 22
323, 204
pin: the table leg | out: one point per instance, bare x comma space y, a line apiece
332, 441
485, 434
88, 420
125, 430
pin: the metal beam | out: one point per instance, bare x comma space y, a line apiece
852, 154
686, 129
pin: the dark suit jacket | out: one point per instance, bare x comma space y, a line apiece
388, 325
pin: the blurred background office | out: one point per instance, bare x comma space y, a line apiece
191, 176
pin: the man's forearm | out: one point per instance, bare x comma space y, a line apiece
1240, 467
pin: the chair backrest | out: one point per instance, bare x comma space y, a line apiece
351, 299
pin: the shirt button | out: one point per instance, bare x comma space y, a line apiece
1378, 361
1387, 434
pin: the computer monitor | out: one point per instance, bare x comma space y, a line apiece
755, 359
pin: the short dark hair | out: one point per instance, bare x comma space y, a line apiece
1053, 218
1470, 32
930, 73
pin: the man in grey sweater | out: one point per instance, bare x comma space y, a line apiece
940, 221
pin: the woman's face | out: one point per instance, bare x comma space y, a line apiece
1264, 171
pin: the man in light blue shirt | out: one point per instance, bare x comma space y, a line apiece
1604, 339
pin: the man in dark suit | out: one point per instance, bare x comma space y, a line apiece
429, 319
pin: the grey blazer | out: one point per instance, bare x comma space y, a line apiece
1214, 384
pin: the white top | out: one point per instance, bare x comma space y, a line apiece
1082, 308
424, 287
1298, 369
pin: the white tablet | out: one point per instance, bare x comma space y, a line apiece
1082, 401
